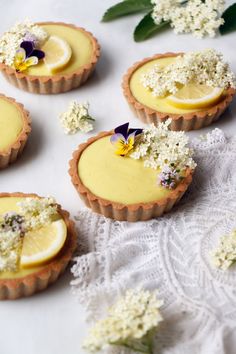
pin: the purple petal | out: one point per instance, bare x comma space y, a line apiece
28, 47
136, 131
38, 53
123, 129
131, 135
115, 137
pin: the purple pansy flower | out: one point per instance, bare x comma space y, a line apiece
30, 50
27, 56
124, 138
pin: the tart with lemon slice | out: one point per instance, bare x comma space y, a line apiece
15, 127
61, 56
193, 103
125, 175
37, 241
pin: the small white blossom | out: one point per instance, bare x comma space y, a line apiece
201, 18
10, 242
77, 118
205, 67
11, 40
37, 211
225, 254
128, 323
160, 147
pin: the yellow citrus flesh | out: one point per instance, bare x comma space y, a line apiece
57, 53
40, 246
195, 96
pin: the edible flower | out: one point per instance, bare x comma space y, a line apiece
27, 56
77, 118
124, 139
169, 177
224, 255
130, 323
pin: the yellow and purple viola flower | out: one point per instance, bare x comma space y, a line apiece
27, 56
124, 139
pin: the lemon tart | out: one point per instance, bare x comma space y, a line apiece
193, 106
46, 246
15, 127
123, 185
62, 58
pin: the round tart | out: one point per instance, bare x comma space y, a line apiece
71, 54
36, 271
15, 127
120, 187
151, 109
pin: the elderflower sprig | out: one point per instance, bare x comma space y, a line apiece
22, 31
37, 212
131, 322
224, 255
12, 228
77, 118
201, 18
160, 147
205, 67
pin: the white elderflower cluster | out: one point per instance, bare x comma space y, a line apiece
160, 147
10, 242
37, 212
128, 323
201, 18
77, 118
205, 67
11, 40
225, 254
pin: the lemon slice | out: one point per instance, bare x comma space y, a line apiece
39, 246
57, 53
194, 96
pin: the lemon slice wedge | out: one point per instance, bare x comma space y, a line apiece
57, 53
194, 96
39, 246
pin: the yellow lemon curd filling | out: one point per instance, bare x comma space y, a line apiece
81, 46
8, 204
145, 96
11, 124
116, 178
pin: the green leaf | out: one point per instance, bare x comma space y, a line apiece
125, 8
230, 20
147, 27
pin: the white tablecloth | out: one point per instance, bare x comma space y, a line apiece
53, 321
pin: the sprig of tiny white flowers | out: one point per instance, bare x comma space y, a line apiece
11, 231
10, 242
131, 322
77, 118
37, 212
224, 255
205, 67
11, 40
160, 147
201, 18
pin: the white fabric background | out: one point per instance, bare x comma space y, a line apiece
54, 322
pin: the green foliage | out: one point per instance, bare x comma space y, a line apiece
147, 27
230, 20
126, 7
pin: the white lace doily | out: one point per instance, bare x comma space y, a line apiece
171, 253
